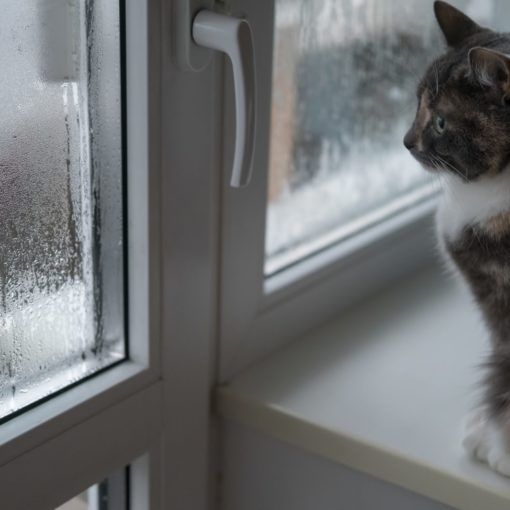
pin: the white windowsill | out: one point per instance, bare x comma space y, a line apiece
384, 390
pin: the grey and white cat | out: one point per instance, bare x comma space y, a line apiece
462, 132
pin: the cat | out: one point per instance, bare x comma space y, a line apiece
462, 132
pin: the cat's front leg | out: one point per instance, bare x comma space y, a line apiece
481, 257
487, 439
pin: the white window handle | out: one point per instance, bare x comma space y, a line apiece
233, 36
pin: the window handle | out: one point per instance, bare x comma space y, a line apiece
233, 36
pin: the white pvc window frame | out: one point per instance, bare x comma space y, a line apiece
54, 451
153, 411
259, 314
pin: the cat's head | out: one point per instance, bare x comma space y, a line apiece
462, 123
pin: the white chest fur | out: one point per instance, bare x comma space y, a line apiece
469, 203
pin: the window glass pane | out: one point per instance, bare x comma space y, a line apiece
110, 494
81, 502
344, 80
61, 288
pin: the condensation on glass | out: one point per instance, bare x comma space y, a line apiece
61, 262
344, 80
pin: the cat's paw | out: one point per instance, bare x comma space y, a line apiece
486, 441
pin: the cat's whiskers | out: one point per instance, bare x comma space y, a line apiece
441, 180
448, 165
438, 176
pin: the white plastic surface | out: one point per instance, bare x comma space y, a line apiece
233, 36
384, 390
188, 56
263, 473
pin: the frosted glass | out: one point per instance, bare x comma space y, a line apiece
61, 265
344, 80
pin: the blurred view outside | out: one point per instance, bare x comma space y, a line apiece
82, 502
344, 80
109, 494
60, 196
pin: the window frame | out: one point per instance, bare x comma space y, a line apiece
163, 393
259, 315
81, 435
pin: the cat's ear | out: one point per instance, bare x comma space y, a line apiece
455, 25
491, 69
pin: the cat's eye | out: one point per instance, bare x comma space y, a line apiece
439, 124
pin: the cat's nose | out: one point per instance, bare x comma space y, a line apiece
410, 139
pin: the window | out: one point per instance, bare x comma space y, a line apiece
189, 251
343, 92
61, 271
110, 494
77, 193
343, 95
336, 209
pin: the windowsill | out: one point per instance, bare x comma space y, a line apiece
384, 390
